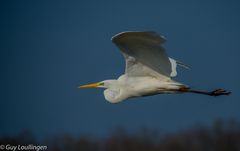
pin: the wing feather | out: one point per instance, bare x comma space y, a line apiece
145, 48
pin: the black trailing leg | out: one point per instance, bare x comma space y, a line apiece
216, 92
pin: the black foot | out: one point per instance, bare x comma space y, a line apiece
218, 92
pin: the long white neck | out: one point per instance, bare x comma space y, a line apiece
113, 93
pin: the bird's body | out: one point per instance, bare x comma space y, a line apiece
148, 69
126, 87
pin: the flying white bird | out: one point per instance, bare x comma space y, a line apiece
148, 69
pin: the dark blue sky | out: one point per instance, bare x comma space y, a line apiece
48, 48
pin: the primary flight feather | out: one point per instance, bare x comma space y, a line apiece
148, 69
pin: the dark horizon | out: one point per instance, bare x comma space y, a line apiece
220, 136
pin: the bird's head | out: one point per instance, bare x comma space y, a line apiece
113, 90
101, 84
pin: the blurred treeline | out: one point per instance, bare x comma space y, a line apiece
220, 136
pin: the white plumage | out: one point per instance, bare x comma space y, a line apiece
148, 69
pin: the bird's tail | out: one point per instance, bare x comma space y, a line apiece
174, 64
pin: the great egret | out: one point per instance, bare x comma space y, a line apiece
148, 69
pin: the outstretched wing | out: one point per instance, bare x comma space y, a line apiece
144, 55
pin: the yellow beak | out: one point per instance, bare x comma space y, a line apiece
94, 85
